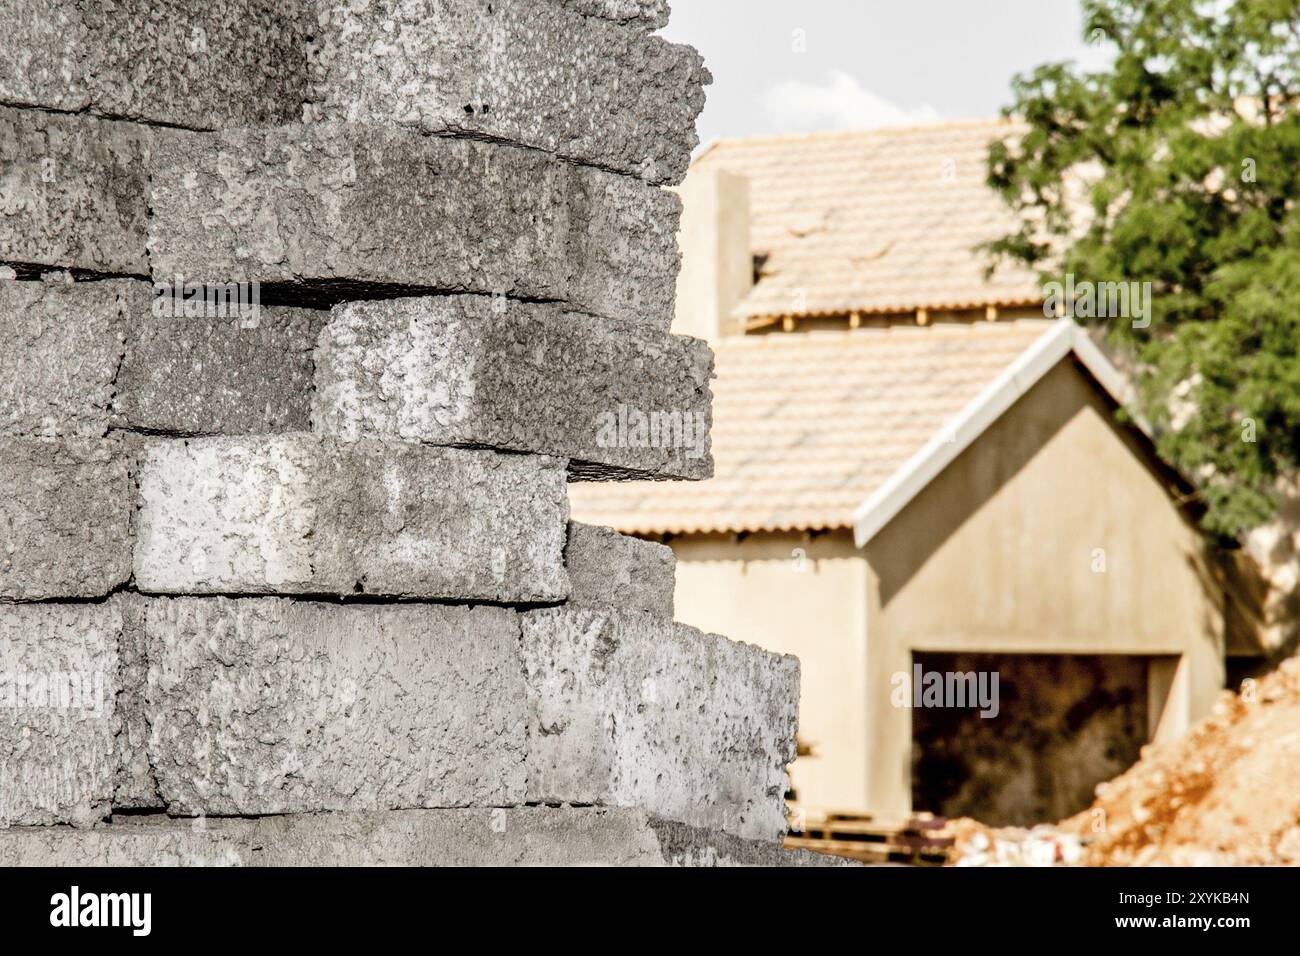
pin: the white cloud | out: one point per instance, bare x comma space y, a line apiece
839, 103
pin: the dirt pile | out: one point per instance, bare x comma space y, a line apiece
1227, 793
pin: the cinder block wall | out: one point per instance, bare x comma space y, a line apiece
300, 577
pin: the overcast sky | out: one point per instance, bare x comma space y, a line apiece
868, 62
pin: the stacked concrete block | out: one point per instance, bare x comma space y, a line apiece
516, 836
64, 344
58, 686
73, 193
193, 65
307, 564
610, 689
217, 375
332, 211
541, 74
608, 569
468, 370
301, 514
65, 520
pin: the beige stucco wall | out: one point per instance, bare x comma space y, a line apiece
1050, 534
996, 554
800, 596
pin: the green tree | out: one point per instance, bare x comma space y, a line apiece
1180, 166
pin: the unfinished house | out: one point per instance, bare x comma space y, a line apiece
917, 473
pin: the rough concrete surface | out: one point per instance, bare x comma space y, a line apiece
58, 682
63, 346
219, 376
200, 64
134, 787
477, 371
608, 569
73, 192
65, 518
646, 14
630, 710
519, 836
265, 705
299, 514
529, 72
328, 212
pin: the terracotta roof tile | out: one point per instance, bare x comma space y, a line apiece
877, 221
806, 425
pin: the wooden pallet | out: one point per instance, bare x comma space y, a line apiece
917, 841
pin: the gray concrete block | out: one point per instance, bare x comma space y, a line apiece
200, 64
74, 192
58, 684
630, 710
264, 705
324, 213
300, 514
134, 786
519, 836
64, 344
608, 569
65, 518
468, 370
644, 14
218, 376
536, 73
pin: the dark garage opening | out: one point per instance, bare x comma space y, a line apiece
1065, 723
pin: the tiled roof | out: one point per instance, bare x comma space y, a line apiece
878, 221
807, 425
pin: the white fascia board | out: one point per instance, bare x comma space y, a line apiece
967, 425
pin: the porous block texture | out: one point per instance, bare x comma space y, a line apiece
73, 192
327, 212
470, 370
517, 836
63, 347
299, 514
134, 786
65, 518
264, 705
629, 710
644, 14
608, 569
218, 375
536, 73
193, 63
58, 682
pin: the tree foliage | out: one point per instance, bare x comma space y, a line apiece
1180, 166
